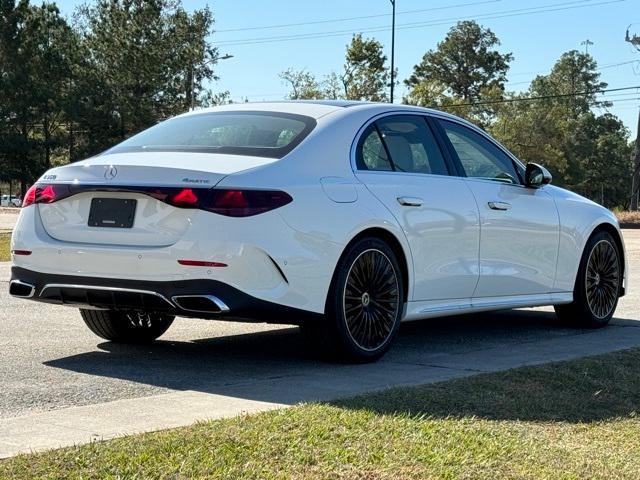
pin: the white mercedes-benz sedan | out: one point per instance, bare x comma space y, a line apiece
342, 217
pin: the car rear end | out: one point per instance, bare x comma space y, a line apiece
152, 226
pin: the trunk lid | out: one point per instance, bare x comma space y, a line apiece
155, 223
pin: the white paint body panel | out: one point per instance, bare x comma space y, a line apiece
459, 257
443, 233
519, 247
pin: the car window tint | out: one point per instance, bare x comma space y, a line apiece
479, 157
256, 133
371, 154
412, 145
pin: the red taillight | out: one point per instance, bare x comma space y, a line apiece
231, 199
46, 195
245, 203
185, 198
29, 197
228, 202
40, 193
201, 263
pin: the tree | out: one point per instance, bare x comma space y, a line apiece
464, 68
152, 55
601, 147
366, 75
304, 85
575, 72
557, 128
34, 86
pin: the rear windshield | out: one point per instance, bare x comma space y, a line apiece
261, 134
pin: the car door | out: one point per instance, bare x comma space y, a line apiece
400, 162
519, 226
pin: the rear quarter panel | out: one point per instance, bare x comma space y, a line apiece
324, 222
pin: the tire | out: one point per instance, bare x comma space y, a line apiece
126, 327
365, 303
597, 288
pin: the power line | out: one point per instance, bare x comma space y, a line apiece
403, 26
543, 97
611, 65
444, 21
347, 19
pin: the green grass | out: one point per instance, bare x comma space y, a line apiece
5, 240
565, 420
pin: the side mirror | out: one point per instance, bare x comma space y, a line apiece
536, 176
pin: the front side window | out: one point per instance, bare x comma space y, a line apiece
479, 157
264, 134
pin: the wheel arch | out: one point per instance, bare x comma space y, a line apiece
617, 237
394, 243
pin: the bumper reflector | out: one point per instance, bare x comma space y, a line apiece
21, 252
200, 263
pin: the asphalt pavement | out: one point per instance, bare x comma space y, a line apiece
60, 385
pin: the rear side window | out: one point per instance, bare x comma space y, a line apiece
371, 153
402, 143
262, 134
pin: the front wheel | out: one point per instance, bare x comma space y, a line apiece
126, 327
365, 303
597, 287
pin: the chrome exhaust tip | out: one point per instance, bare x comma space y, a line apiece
21, 289
200, 303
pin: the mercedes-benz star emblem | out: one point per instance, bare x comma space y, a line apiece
111, 172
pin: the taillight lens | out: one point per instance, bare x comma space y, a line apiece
228, 202
245, 203
43, 193
29, 197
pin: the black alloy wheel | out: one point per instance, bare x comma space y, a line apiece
371, 299
602, 279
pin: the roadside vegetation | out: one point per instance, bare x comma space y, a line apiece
628, 217
5, 240
573, 419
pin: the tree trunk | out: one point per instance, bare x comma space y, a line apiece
47, 144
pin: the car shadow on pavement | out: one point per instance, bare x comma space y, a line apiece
279, 366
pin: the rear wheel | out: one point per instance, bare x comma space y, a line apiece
126, 327
365, 302
597, 287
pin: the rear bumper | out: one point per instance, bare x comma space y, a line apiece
208, 299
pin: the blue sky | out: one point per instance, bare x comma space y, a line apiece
536, 38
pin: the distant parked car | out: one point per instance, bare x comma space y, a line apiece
10, 201
343, 217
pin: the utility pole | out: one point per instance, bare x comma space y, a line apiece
393, 45
586, 44
191, 81
635, 179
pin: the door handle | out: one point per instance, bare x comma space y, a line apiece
410, 201
499, 205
